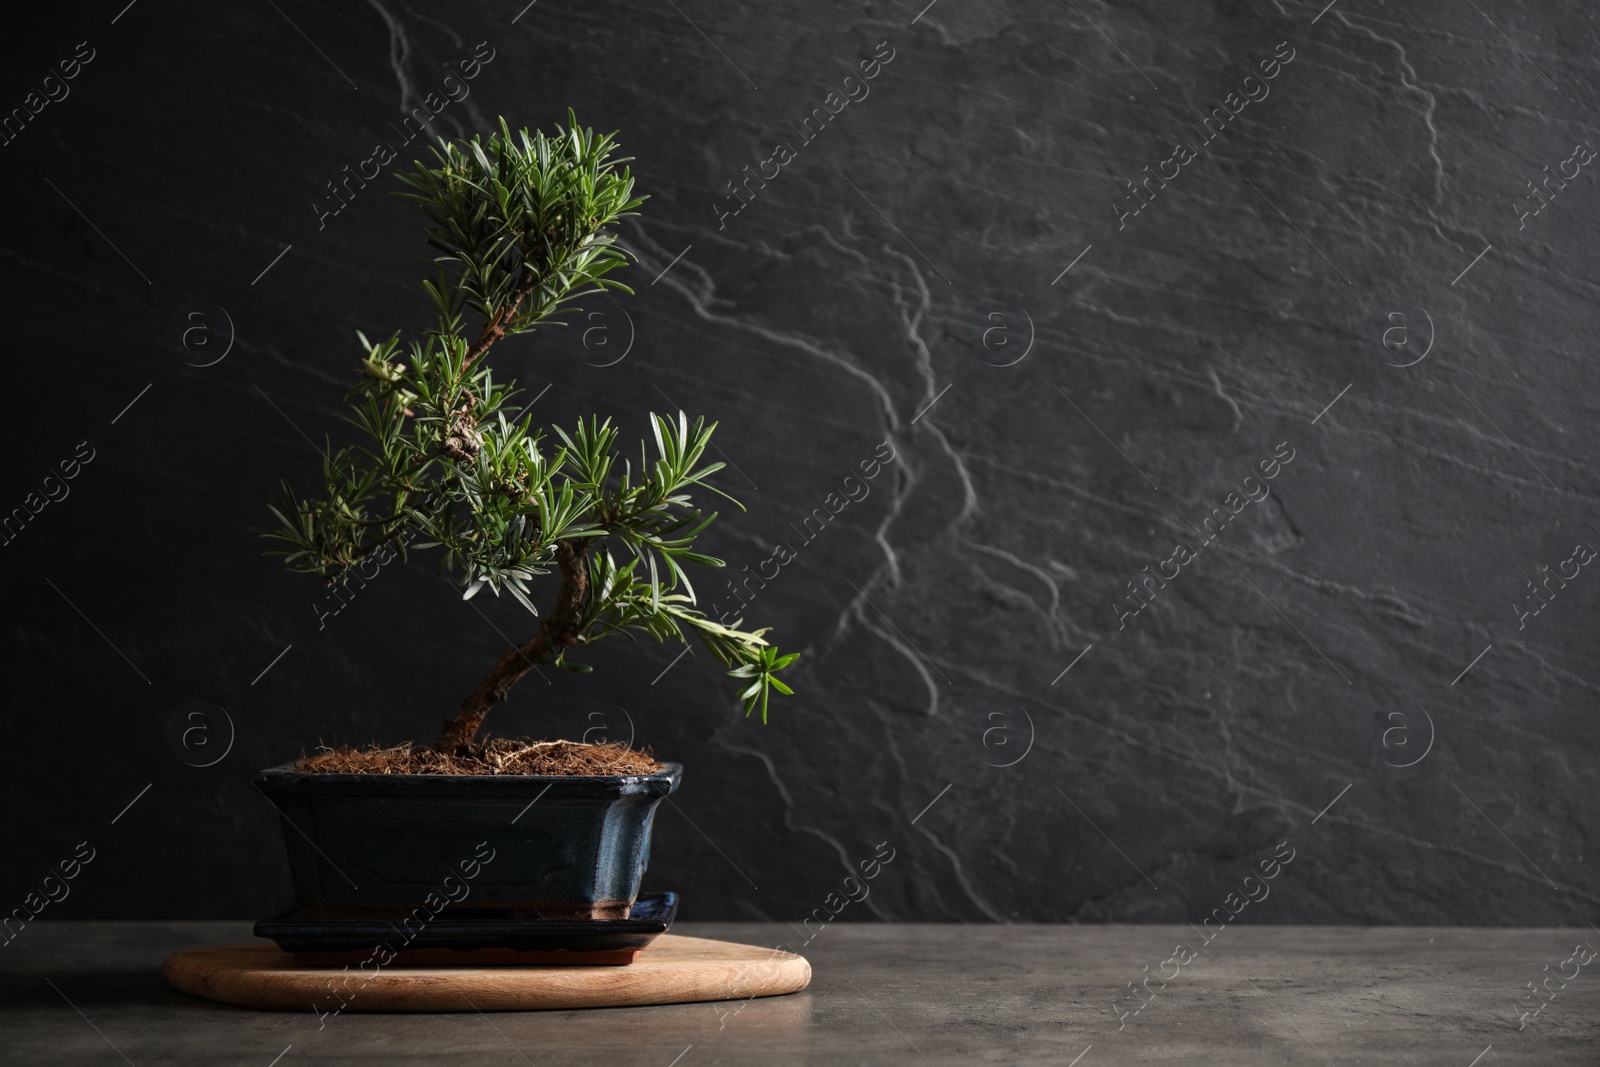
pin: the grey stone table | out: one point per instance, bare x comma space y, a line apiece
92, 994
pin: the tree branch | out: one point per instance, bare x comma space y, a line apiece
559, 631
495, 328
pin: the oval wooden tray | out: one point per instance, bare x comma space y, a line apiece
673, 970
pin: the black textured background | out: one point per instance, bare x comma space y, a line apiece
900, 260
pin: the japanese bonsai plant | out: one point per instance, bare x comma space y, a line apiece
446, 464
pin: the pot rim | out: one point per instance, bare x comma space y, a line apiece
284, 778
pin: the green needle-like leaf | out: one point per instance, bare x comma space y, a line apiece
521, 229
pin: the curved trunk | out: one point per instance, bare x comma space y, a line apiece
558, 631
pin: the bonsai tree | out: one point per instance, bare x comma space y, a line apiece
445, 462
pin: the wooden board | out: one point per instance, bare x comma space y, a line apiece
672, 970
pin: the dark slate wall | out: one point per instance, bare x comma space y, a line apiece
1333, 313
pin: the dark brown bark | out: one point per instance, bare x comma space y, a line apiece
558, 631
495, 328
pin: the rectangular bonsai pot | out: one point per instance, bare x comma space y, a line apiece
489, 846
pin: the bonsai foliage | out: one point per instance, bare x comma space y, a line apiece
446, 462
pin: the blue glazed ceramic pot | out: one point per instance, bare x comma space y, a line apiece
492, 846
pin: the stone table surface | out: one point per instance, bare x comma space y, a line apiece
92, 993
